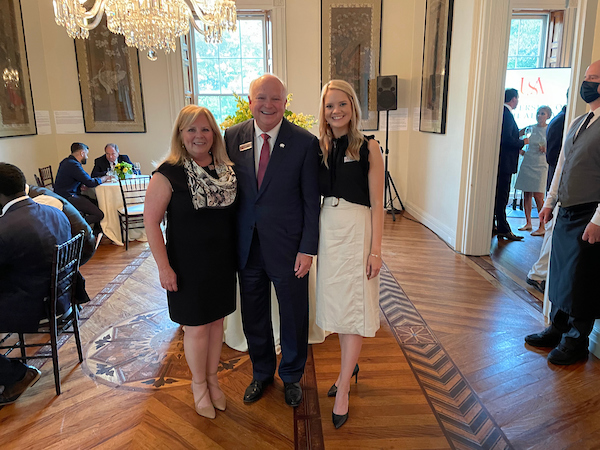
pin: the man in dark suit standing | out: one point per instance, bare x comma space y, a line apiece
106, 162
69, 179
510, 144
554, 138
28, 235
276, 163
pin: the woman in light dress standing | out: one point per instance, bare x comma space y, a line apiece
351, 179
534, 169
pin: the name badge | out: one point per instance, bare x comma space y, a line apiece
246, 146
347, 159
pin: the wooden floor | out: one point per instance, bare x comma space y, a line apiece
448, 368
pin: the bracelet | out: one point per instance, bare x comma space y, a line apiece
373, 254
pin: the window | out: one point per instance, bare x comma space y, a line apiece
526, 48
229, 67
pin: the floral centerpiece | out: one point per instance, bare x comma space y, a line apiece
243, 113
123, 170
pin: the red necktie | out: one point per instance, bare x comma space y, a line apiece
265, 153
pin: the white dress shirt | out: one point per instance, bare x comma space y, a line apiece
552, 197
12, 202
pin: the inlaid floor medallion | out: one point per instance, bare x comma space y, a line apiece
144, 352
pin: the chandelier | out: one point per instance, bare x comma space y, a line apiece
148, 24
10, 77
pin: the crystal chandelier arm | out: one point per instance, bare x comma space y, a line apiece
202, 15
81, 21
95, 10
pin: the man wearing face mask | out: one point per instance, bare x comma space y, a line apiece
575, 262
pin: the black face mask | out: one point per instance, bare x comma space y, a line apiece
589, 91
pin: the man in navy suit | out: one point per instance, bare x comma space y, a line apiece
28, 235
104, 163
69, 179
276, 164
510, 144
554, 138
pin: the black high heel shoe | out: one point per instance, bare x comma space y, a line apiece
333, 389
338, 421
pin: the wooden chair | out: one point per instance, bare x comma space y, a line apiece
38, 181
46, 177
65, 266
131, 215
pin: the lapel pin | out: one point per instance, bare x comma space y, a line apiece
282, 145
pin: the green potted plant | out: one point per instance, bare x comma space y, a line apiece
243, 113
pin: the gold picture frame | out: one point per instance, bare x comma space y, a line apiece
17, 116
350, 50
110, 83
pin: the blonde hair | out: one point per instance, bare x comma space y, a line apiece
545, 108
178, 154
355, 137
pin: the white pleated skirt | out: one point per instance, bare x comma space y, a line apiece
347, 302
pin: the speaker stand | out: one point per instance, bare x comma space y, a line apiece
388, 199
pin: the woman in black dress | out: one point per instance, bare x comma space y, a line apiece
196, 186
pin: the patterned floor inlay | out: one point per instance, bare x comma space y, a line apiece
462, 416
144, 352
89, 308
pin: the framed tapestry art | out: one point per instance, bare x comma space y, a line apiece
16, 102
350, 48
110, 83
436, 64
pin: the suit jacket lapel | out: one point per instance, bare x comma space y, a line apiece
246, 157
278, 153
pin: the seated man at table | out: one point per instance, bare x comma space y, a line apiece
29, 233
69, 179
45, 196
107, 161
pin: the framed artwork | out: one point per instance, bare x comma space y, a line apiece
110, 83
436, 64
350, 49
16, 102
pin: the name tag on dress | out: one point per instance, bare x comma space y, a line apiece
347, 159
246, 146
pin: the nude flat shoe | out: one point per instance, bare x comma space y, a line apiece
207, 411
526, 228
538, 232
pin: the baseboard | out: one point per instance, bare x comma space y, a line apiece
444, 232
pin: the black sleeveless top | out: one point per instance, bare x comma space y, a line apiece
346, 178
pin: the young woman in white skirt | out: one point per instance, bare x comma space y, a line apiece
351, 179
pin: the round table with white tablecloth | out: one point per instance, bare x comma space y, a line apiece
234, 332
109, 201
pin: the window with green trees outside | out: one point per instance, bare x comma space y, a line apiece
527, 45
229, 67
